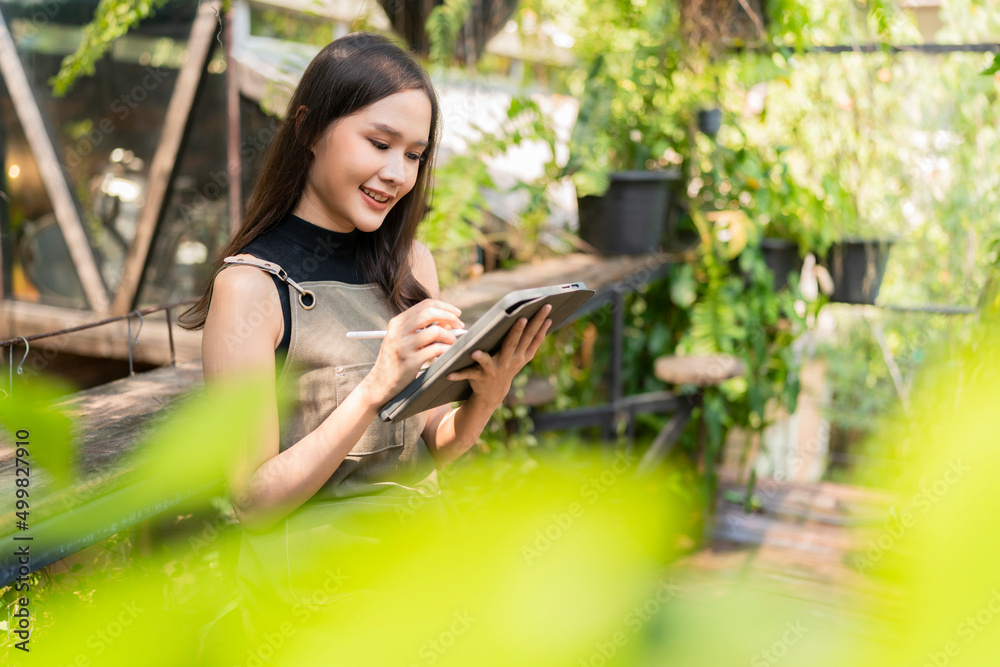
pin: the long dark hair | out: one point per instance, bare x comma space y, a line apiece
346, 76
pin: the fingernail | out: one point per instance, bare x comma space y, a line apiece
452, 376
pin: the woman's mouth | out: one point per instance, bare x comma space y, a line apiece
374, 198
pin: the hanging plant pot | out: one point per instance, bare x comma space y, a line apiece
630, 218
484, 20
782, 257
709, 121
856, 268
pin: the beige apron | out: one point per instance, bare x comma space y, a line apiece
308, 562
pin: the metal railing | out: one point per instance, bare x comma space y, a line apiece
10, 343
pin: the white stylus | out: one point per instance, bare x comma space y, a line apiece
381, 334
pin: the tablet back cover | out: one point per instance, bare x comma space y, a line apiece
432, 387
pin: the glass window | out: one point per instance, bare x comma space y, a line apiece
107, 127
195, 223
37, 265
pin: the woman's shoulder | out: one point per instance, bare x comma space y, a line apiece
242, 282
418, 251
423, 267
421, 259
243, 294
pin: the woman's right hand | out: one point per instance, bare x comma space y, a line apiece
413, 338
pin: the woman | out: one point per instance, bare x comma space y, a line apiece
327, 246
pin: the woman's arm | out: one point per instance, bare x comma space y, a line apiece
266, 485
450, 432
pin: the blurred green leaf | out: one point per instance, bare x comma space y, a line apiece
994, 67
34, 407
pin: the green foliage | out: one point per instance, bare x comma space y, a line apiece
993, 67
34, 408
112, 19
736, 175
442, 26
815, 148
454, 225
184, 457
307, 27
738, 312
641, 86
114, 599
457, 204
627, 110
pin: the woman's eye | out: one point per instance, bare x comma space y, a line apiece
416, 157
379, 145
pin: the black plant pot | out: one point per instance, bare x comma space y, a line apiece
782, 257
857, 268
710, 120
630, 218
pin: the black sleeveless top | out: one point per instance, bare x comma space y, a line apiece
306, 252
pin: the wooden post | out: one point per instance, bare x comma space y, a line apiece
64, 205
234, 166
5, 263
165, 159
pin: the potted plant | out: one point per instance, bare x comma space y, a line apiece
788, 219
796, 223
624, 131
856, 267
856, 261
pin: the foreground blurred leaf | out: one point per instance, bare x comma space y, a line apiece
32, 408
994, 67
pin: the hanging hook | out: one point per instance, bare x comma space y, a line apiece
139, 315
131, 342
10, 365
27, 348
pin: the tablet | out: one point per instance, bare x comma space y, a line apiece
433, 388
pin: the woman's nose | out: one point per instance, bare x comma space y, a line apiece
394, 171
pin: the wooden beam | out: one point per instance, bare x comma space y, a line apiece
5, 248
110, 341
165, 159
233, 132
475, 297
57, 185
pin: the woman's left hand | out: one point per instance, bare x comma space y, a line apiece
490, 378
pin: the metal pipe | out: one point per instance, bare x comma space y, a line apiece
170, 336
91, 325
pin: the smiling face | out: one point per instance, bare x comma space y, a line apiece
366, 162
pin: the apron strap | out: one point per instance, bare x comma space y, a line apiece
306, 298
